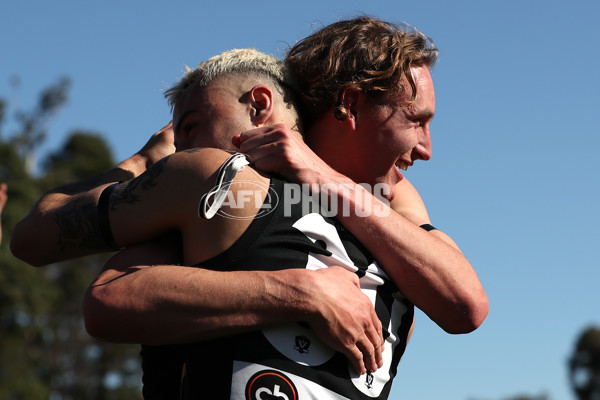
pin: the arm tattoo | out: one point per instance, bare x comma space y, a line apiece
78, 227
78, 223
125, 192
194, 150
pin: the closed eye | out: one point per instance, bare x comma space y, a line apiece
422, 119
186, 129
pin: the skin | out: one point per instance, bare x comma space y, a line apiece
458, 303
360, 331
448, 291
126, 311
428, 267
3, 198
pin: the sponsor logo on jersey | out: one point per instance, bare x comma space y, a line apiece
270, 385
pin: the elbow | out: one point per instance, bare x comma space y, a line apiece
96, 315
22, 246
470, 315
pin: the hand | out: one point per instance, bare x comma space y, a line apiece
280, 150
346, 319
3, 196
3, 199
160, 145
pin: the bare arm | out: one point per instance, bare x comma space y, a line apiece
3, 199
131, 301
64, 223
428, 267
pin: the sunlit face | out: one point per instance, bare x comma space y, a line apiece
207, 117
394, 135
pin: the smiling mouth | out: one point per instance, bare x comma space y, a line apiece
401, 165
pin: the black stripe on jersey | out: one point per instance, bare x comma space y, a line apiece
359, 255
383, 305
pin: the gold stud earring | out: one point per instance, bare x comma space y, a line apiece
340, 113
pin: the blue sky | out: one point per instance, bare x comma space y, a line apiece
513, 178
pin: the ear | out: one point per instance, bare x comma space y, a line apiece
349, 100
261, 104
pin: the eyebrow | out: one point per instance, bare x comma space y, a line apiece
426, 115
421, 115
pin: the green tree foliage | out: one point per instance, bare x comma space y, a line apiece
45, 352
584, 365
83, 155
34, 123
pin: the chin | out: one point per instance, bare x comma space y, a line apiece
398, 173
390, 180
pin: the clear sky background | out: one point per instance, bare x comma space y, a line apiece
514, 173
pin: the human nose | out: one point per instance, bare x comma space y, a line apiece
423, 148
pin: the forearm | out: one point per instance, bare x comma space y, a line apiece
64, 222
428, 267
131, 301
172, 304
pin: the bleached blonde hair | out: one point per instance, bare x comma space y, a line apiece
243, 62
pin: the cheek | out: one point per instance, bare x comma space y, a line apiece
399, 138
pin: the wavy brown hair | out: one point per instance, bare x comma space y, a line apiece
365, 53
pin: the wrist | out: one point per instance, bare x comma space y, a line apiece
136, 165
291, 293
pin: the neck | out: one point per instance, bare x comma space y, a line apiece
348, 154
327, 137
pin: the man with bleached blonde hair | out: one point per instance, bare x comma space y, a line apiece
240, 69
209, 108
208, 98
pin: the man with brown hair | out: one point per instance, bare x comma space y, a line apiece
367, 101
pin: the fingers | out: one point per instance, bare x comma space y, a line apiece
256, 143
367, 349
355, 358
253, 138
375, 336
268, 152
3, 196
366, 354
371, 343
350, 321
168, 129
160, 144
236, 141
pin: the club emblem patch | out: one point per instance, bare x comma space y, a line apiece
369, 380
302, 344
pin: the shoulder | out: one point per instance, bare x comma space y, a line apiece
408, 203
203, 164
199, 159
225, 181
